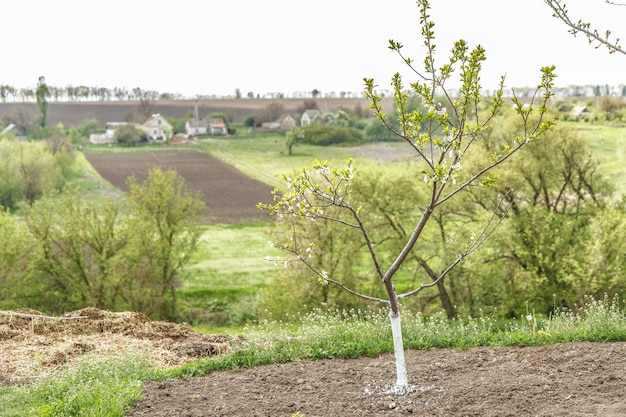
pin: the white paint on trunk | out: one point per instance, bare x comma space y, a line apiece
398, 349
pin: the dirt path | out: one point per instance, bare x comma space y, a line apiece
571, 379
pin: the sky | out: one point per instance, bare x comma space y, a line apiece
211, 47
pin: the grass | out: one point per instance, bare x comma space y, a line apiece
102, 388
608, 145
108, 387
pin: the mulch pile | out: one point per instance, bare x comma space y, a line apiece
33, 345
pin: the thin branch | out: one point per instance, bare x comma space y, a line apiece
561, 13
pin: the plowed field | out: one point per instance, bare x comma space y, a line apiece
230, 196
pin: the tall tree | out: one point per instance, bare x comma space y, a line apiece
441, 137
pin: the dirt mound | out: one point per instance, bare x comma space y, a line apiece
33, 344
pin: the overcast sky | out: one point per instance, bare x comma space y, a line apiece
206, 47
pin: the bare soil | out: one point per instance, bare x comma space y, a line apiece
570, 379
230, 196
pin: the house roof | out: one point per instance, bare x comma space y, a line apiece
153, 121
580, 110
198, 123
217, 122
311, 113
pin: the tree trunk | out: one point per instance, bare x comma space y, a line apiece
398, 349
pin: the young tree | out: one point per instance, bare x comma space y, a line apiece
441, 137
292, 137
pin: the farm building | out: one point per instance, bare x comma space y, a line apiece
108, 136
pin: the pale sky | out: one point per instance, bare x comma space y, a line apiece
208, 47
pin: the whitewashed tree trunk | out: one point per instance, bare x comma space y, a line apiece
398, 349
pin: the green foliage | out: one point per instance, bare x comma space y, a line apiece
331, 135
86, 253
102, 388
293, 137
163, 234
129, 135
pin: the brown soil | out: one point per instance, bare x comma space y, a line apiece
571, 379
230, 196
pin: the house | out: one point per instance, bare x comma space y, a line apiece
17, 131
157, 128
308, 116
217, 127
195, 127
580, 111
284, 123
287, 123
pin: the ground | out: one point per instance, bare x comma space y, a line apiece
568, 379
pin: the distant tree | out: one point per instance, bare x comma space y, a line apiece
164, 231
250, 121
145, 108
270, 112
237, 93
292, 137
250, 94
315, 93
129, 135
42, 93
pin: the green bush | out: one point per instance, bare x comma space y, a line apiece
331, 135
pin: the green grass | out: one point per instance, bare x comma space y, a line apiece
99, 388
608, 145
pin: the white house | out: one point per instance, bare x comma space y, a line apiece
308, 116
194, 127
157, 128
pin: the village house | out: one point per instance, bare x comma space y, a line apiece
308, 116
157, 128
580, 111
283, 123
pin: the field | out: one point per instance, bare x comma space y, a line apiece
562, 379
230, 196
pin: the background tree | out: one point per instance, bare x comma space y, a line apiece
442, 139
164, 233
292, 137
42, 93
269, 112
129, 135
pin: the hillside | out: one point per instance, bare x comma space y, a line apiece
72, 113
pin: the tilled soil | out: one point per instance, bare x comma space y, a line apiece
569, 379
230, 195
